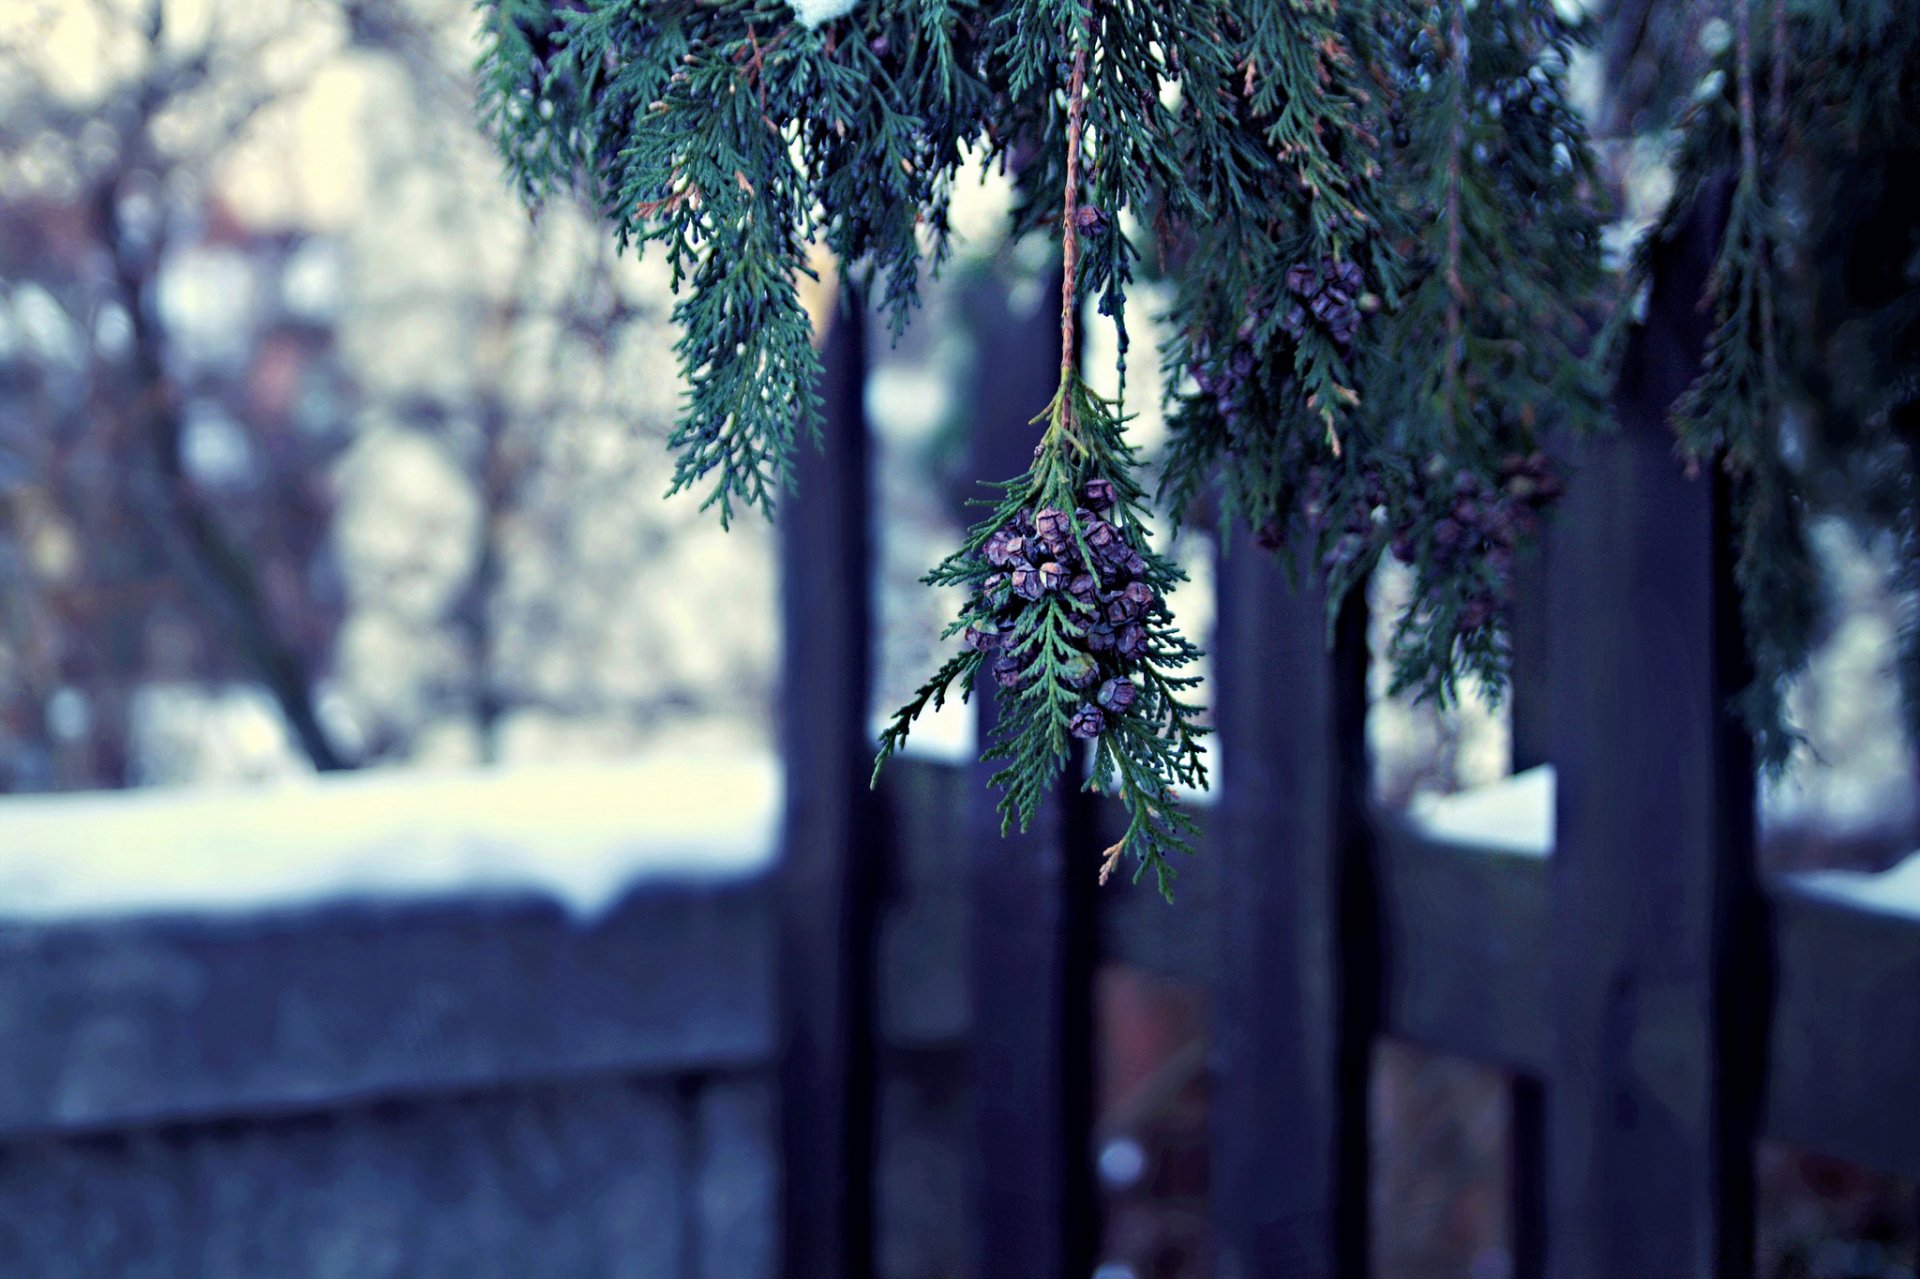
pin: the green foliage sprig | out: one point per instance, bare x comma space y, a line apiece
1810, 395
1488, 353
1380, 224
1405, 336
1242, 149
1065, 592
734, 138
1088, 651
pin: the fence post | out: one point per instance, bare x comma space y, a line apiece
1294, 992
1032, 931
1656, 1059
1530, 715
828, 889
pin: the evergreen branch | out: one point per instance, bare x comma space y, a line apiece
958, 669
1457, 80
1380, 223
1066, 611
1730, 416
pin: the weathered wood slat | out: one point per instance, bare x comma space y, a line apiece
1466, 933
828, 888
1033, 1046
592, 1178
1653, 1064
1465, 939
308, 1010
1032, 913
1844, 1068
1292, 1009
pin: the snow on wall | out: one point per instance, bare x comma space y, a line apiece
580, 834
1514, 814
1895, 891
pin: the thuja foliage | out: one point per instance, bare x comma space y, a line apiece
1374, 217
1381, 352
1379, 224
1811, 395
1066, 610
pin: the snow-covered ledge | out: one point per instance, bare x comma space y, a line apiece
579, 835
1512, 815
1515, 815
200, 953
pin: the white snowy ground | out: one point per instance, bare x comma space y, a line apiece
580, 835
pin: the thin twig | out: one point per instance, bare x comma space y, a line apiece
1069, 221
1750, 175
1777, 100
1776, 138
1456, 146
1743, 72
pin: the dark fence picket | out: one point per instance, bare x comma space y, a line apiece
828, 899
1531, 719
1032, 931
1654, 1061
1527, 1177
1293, 1001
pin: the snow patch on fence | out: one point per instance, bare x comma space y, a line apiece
1515, 815
580, 835
1895, 891
1512, 815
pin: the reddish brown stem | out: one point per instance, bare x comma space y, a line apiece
1456, 146
1069, 222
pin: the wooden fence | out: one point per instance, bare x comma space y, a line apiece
1659, 1006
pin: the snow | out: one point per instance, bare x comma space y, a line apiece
1516, 815
814, 12
945, 736
1895, 891
579, 834
1513, 815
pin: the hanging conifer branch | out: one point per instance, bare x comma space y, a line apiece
1380, 227
1068, 597
1731, 418
1777, 87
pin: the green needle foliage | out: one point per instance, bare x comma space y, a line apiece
1486, 357
1379, 224
1810, 399
1404, 339
1094, 656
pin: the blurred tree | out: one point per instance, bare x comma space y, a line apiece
285, 405
154, 534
